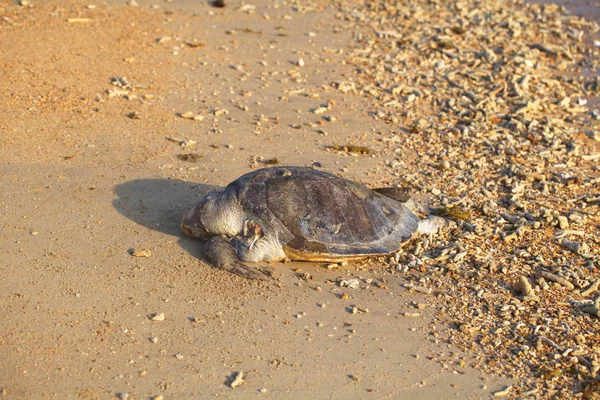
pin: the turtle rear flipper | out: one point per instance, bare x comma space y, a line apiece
220, 254
401, 194
418, 204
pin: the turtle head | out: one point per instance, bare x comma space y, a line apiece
192, 226
218, 213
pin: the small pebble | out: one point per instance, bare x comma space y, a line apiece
134, 115
350, 283
504, 392
142, 253
237, 380
187, 115
158, 317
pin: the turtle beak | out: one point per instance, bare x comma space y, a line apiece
186, 231
254, 240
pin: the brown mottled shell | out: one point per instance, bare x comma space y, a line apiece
319, 216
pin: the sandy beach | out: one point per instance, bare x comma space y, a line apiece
118, 116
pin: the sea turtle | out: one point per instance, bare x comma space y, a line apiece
297, 213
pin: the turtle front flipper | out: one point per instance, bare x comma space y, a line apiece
219, 253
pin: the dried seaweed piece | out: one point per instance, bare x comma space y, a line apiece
459, 30
194, 45
445, 44
249, 30
271, 161
543, 48
134, 115
218, 3
455, 212
189, 157
350, 148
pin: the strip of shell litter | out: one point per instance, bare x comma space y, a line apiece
487, 106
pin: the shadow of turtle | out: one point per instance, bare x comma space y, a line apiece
159, 204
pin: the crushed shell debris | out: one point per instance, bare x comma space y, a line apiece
494, 98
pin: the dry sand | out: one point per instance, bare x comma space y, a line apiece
92, 169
